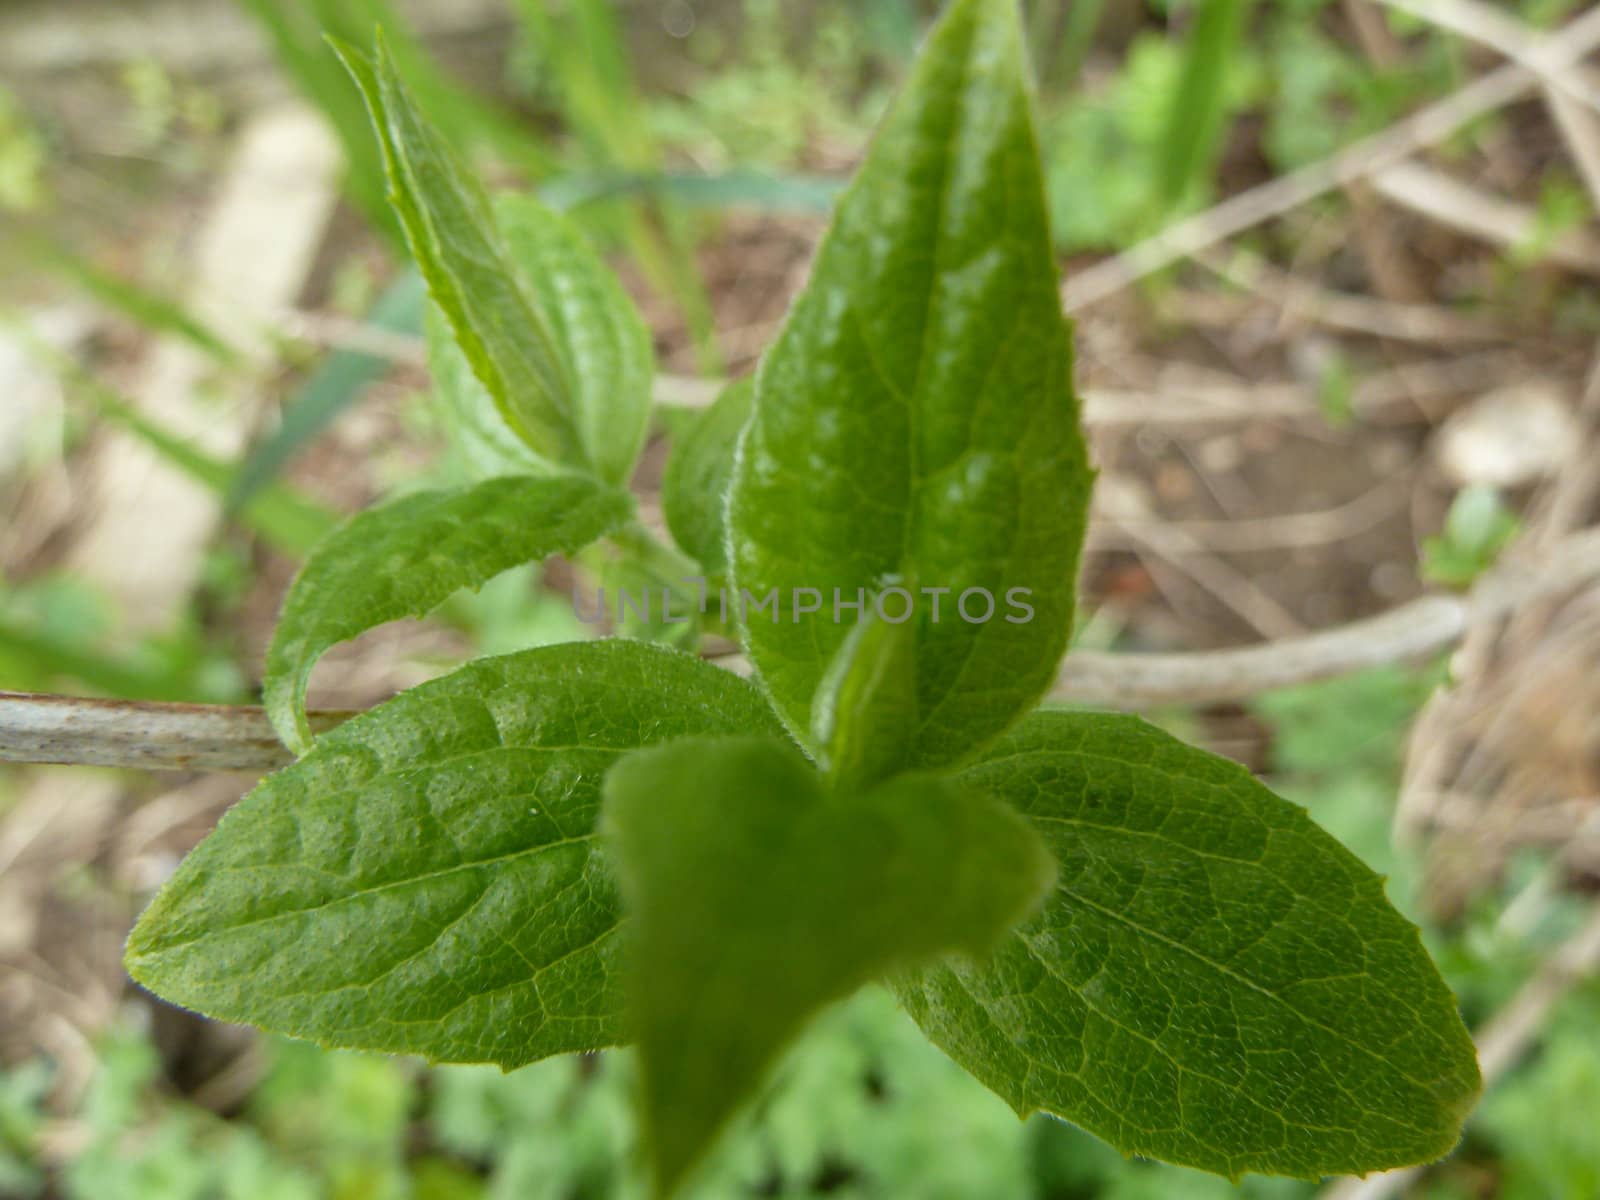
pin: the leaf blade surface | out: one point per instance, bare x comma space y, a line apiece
915, 423
694, 490
405, 558
603, 342
757, 896
427, 880
450, 227
1216, 982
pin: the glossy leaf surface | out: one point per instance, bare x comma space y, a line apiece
1215, 982
694, 491
427, 880
915, 424
405, 558
450, 226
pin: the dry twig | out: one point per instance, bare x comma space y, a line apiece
60, 729
1482, 215
1400, 141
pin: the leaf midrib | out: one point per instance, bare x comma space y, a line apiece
356, 894
428, 876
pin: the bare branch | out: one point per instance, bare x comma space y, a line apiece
185, 737
143, 736
1482, 214
1505, 35
1134, 681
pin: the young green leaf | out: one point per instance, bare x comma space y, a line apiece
757, 897
1476, 529
405, 558
603, 342
427, 880
864, 713
451, 229
483, 443
1216, 981
694, 491
915, 433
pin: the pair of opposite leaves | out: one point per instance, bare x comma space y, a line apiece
1211, 979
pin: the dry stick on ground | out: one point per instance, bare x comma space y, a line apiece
1505, 35
1238, 592
1480, 214
59, 729
1249, 534
1201, 403
329, 331
1424, 128
1305, 302
1580, 129
1573, 101
1559, 510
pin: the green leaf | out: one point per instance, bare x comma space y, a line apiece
915, 424
405, 558
604, 344
483, 443
865, 709
757, 897
1216, 981
427, 880
450, 227
1476, 529
694, 491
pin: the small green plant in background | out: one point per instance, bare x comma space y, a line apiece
23, 158
1477, 528
603, 842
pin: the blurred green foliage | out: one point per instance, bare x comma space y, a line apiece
863, 1108
1541, 1122
1477, 527
23, 157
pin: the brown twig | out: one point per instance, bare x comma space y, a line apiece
60, 729
144, 736
1573, 101
1505, 35
1249, 534
1482, 215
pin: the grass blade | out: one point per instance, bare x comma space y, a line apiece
341, 380
149, 309
1199, 104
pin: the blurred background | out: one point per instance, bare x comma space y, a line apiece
1333, 264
